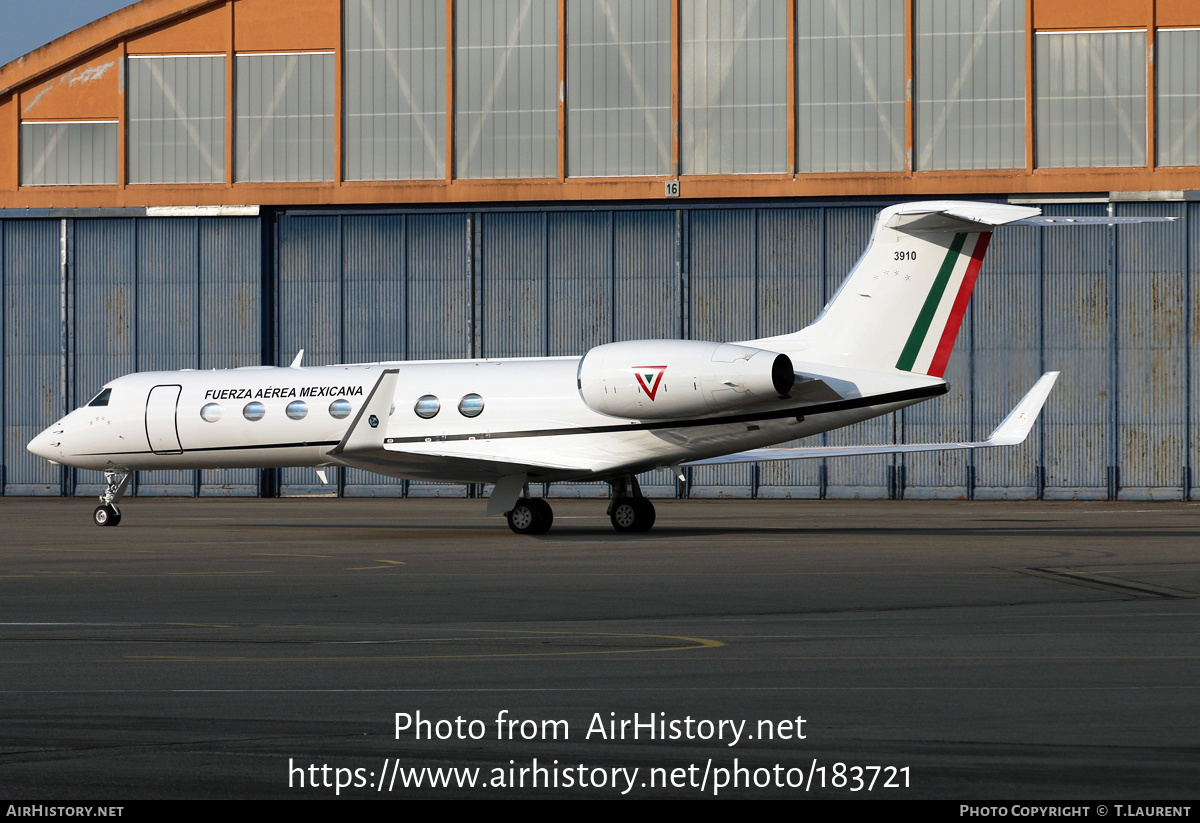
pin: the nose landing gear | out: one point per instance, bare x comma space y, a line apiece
106, 515
115, 484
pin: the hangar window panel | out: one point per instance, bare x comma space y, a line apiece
1091, 98
1178, 109
506, 88
176, 119
618, 87
69, 154
395, 89
734, 86
849, 86
285, 117
969, 84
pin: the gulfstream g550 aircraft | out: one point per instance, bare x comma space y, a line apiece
882, 343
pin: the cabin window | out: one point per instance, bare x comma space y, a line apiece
470, 406
339, 409
428, 406
211, 412
297, 410
101, 399
254, 411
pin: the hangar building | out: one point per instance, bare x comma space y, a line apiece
219, 183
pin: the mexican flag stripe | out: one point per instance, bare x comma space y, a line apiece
916, 338
940, 358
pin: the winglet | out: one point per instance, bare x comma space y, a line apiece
1016, 427
1013, 430
296, 360
368, 428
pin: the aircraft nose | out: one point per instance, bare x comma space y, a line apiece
47, 444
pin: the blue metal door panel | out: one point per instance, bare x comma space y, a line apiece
35, 376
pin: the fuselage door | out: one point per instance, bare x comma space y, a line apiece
162, 431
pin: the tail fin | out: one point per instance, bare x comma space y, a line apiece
903, 302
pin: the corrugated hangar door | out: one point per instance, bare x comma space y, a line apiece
35, 354
365, 288
1108, 307
88, 300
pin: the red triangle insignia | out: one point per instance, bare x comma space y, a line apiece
649, 378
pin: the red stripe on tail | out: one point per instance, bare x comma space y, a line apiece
937, 367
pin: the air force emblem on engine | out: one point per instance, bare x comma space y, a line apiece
649, 378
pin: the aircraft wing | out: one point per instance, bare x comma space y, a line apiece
1013, 430
452, 466
363, 447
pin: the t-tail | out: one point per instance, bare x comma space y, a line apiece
903, 302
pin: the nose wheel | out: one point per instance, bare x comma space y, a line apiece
106, 515
115, 484
531, 516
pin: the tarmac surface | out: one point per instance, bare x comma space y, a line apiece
250, 648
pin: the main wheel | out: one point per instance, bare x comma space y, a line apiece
632, 514
106, 515
531, 516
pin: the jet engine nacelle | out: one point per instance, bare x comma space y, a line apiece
658, 379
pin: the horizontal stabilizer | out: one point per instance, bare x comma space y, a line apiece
951, 215
1090, 221
1013, 430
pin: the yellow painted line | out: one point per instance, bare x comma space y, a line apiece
277, 554
363, 568
58, 573
1107, 581
539, 655
200, 574
92, 550
125, 575
699, 643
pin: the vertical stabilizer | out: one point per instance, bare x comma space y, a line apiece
903, 302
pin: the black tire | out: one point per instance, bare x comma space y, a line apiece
632, 514
530, 516
545, 515
106, 515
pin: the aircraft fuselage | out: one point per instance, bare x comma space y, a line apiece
530, 413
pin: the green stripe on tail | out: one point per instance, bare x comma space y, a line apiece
916, 337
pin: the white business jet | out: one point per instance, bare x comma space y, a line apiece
881, 344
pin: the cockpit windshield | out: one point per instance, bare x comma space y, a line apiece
101, 399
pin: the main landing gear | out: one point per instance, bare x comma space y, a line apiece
531, 516
115, 484
631, 514
628, 511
